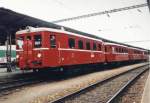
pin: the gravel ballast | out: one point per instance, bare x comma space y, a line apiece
49, 91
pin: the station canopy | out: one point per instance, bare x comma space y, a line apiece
11, 21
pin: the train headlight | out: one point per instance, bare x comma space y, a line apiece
17, 56
39, 55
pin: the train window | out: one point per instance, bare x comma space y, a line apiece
125, 50
116, 49
28, 37
94, 46
107, 49
88, 46
80, 44
120, 50
71, 43
52, 41
37, 41
99, 47
20, 42
113, 49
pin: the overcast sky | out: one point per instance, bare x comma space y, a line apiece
122, 26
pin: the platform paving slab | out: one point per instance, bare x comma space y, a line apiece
146, 93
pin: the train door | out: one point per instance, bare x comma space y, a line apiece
28, 51
19, 49
53, 50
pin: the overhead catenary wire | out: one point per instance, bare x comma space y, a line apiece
136, 41
107, 12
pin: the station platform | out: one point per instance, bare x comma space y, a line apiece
146, 92
4, 73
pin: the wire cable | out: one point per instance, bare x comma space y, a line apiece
100, 13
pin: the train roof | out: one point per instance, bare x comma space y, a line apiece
108, 43
32, 29
19, 21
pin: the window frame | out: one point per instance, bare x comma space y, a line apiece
88, 46
99, 47
80, 44
94, 46
20, 38
40, 43
52, 43
71, 45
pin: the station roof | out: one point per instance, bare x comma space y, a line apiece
11, 21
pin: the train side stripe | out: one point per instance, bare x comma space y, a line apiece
78, 50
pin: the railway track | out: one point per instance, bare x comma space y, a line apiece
105, 91
17, 81
5, 86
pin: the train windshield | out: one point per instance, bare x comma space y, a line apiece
37, 41
20, 42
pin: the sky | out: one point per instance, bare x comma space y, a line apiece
123, 26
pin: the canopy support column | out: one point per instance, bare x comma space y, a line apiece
8, 53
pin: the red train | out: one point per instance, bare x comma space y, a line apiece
41, 48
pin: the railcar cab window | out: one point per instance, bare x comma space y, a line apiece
37, 41
88, 46
94, 46
80, 44
20, 42
71, 43
52, 41
28, 37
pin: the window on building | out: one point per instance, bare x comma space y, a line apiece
71, 43
52, 41
80, 44
37, 41
88, 46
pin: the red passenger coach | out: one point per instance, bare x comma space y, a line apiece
116, 53
39, 48
136, 54
145, 55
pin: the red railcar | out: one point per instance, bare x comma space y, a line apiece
135, 54
39, 48
116, 52
145, 56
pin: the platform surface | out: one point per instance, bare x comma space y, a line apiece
146, 93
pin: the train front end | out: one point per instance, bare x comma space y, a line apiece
30, 49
